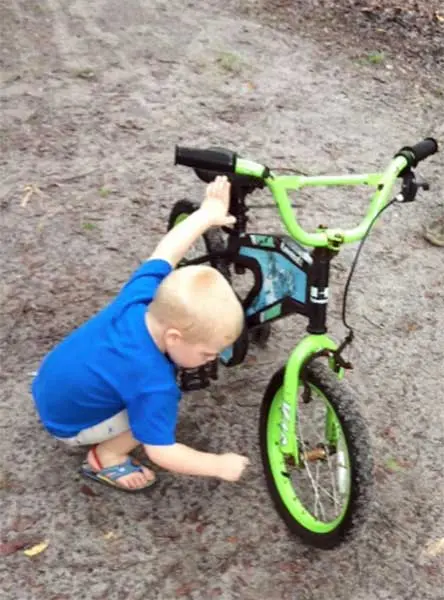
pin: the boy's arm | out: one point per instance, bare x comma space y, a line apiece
182, 459
176, 243
213, 212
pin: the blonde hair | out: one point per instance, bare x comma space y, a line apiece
200, 303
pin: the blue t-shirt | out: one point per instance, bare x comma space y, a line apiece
109, 364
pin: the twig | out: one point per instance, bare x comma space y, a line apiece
72, 178
373, 323
29, 191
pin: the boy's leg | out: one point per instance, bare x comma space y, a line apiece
101, 432
115, 451
112, 441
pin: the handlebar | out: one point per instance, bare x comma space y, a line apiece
222, 161
418, 152
225, 161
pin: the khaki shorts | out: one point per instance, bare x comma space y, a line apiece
101, 432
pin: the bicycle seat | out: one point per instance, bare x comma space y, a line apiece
245, 182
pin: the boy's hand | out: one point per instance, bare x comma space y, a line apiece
183, 459
217, 203
212, 213
231, 466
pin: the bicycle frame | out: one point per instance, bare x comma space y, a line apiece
291, 275
312, 301
326, 242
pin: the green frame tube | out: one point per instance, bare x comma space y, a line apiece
308, 346
332, 238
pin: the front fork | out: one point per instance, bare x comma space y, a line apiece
310, 346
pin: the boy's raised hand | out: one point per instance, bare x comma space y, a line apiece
217, 202
213, 212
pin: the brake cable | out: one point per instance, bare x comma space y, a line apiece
355, 261
407, 194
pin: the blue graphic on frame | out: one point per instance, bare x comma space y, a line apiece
227, 354
280, 279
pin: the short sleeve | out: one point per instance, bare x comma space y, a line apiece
153, 417
144, 282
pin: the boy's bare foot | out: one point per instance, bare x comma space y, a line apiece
99, 459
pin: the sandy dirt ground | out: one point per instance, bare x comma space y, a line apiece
94, 96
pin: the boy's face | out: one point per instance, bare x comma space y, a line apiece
190, 355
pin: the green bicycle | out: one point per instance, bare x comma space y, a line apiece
314, 442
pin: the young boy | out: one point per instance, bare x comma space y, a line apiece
112, 382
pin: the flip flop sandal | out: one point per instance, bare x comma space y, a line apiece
140, 458
111, 475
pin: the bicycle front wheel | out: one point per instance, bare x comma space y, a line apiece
324, 499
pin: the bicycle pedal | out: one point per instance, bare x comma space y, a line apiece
199, 378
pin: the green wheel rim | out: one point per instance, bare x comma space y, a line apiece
180, 218
279, 468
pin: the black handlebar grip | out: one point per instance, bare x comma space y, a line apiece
423, 149
222, 161
420, 151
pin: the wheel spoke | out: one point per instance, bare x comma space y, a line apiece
311, 436
311, 478
332, 478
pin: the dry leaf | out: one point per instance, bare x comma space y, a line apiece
436, 547
389, 433
11, 547
37, 549
432, 570
289, 567
392, 464
85, 489
185, 589
200, 528
110, 535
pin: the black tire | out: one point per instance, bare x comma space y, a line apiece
260, 335
213, 238
356, 438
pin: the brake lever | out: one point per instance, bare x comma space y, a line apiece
425, 185
410, 187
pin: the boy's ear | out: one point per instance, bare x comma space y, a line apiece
172, 336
